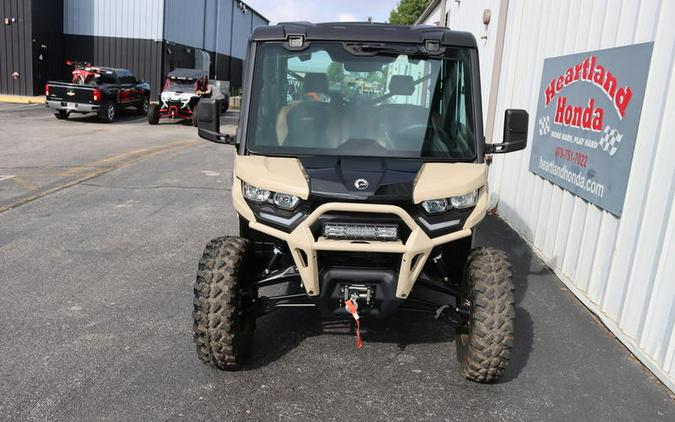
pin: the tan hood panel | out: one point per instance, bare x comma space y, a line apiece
278, 174
442, 180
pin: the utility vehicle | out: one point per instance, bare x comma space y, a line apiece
360, 175
182, 90
94, 89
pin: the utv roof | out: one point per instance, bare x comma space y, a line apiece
187, 74
362, 31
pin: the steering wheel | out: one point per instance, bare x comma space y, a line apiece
416, 128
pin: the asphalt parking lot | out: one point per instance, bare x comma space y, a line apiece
101, 228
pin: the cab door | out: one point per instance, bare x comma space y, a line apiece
126, 94
136, 94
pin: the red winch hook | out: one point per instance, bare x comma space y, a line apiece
352, 308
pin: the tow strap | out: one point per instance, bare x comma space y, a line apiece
352, 307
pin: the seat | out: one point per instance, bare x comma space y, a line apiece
405, 124
310, 119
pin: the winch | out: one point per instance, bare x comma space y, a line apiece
362, 293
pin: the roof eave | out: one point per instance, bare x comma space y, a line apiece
427, 12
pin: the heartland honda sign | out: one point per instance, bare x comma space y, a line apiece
587, 121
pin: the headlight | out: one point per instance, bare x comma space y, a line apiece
285, 201
258, 195
437, 206
467, 200
255, 194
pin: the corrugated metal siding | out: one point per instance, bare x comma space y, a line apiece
213, 25
184, 24
223, 38
621, 268
141, 19
241, 30
486, 53
16, 45
257, 21
142, 57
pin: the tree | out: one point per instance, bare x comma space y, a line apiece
407, 11
336, 72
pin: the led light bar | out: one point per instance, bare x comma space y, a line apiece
352, 231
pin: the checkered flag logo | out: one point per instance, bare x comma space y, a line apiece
544, 125
611, 140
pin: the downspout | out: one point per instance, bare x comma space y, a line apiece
216, 44
442, 21
496, 71
229, 61
162, 46
494, 83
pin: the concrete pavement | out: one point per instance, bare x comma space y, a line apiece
96, 295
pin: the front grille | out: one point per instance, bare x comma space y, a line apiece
359, 259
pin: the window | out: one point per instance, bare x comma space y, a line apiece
105, 78
328, 100
126, 77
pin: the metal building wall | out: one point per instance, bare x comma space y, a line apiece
16, 48
184, 23
142, 19
220, 26
620, 268
116, 33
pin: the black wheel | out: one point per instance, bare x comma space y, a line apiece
223, 325
143, 107
484, 345
195, 117
153, 114
62, 114
107, 113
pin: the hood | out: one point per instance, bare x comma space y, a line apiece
361, 179
173, 96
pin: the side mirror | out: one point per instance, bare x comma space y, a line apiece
208, 122
515, 133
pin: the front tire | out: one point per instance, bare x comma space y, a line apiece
153, 114
484, 346
143, 107
223, 328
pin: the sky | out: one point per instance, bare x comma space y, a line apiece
323, 10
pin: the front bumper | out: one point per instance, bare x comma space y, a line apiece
72, 107
414, 251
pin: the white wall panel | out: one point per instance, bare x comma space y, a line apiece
620, 268
140, 19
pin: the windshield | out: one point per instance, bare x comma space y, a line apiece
180, 86
387, 101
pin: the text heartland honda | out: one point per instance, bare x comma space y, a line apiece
359, 179
589, 117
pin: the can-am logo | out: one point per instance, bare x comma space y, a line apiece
588, 116
361, 184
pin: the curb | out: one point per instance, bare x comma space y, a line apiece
20, 99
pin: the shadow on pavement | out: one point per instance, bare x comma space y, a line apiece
123, 116
284, 330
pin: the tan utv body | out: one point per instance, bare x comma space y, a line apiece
359, 178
